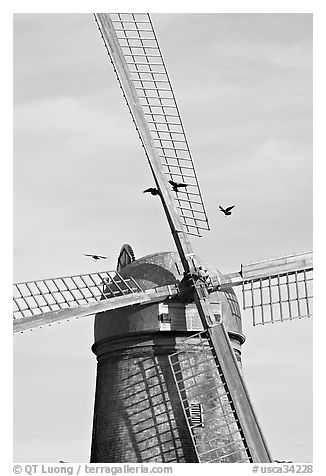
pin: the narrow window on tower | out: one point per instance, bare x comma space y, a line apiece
196, 415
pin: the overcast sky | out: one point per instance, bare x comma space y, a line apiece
243, 83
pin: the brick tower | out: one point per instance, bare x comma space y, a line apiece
138, 416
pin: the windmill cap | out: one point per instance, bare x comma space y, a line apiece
160, 269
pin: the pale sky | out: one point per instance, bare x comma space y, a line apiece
243, 83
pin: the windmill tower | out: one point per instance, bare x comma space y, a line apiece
187, 314
138, 415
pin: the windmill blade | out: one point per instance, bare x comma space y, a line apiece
142, 75
135, 54
39, 303
275, 290
229, 428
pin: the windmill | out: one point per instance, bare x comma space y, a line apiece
48, 301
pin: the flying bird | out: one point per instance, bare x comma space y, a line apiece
227, 211
96, 257
176, 185
152, 191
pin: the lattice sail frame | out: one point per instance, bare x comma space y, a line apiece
275, 290
279, 298
48, 301
48, 295
152, 87
218, 438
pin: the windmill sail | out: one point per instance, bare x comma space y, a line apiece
131, 42
42, 302
275, 290
201, 383
142, 75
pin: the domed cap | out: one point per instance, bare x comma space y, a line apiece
161, 269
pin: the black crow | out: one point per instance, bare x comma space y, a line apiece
176, 185
96, 257
152, 191
226, 211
